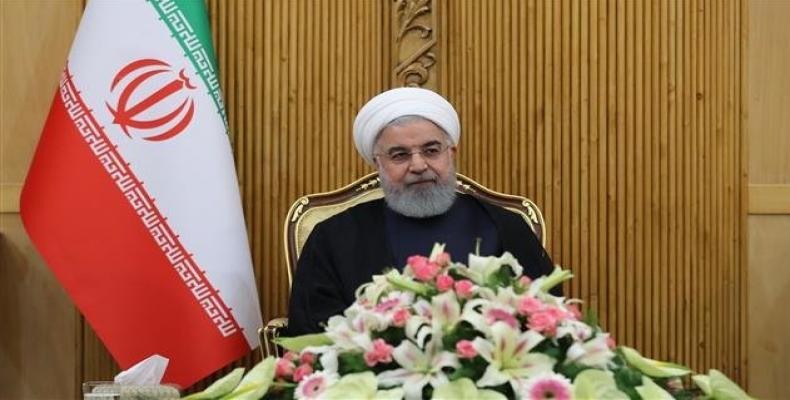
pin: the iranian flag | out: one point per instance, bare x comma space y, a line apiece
132, 197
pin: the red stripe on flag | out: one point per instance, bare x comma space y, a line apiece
107, 243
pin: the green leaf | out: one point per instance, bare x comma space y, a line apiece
627, 379
299, 343
403, 283
596, 384
590, 317
650, 390
725, 389
351, 362
463, 389
221, 387
703, 382
654, 368
255, 383
503, 277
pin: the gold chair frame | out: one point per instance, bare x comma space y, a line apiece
308, 211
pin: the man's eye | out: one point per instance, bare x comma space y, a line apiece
399, 156
430, 151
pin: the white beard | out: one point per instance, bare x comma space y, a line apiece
417, 202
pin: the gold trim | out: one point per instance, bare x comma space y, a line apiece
268, 333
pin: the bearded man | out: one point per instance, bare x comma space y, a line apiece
410, 135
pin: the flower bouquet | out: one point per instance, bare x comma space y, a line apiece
445, 330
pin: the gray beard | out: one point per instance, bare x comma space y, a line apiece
419, 202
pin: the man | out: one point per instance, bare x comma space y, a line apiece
410, 135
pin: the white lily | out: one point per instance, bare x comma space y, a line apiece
482, 314
592, 353
344, 336
577, 330
438, 248
445, 310
372, 291
418, 368
481, 268
508, 355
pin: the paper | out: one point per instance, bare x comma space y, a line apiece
147, 372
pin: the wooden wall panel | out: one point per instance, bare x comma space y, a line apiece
768, 99
622, 119
38, 341
294, 75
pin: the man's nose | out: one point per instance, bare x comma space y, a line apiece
417, 163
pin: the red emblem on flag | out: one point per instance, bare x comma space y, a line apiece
153, 100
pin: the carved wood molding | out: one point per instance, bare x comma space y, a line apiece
414, 50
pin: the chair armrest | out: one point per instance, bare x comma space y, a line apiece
273, 329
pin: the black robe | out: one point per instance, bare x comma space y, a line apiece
346, 250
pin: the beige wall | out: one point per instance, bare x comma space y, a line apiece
38, 323
769, 197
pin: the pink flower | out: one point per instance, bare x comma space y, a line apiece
547, 386
463, 288
381, 353
400, 317
444, 282
424, 270
283, 367
388, 305
427, 272
290, 356
610, 342
302, 371
529, 305
558, 314
313, 385
307, 358
498, 314
574, 310
465, 349
442, 259
544, 322
524, 281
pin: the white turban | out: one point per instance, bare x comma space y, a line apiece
395, 103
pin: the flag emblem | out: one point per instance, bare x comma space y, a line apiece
152, 82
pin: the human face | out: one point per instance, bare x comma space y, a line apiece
418, 172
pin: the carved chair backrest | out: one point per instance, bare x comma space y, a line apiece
310, 210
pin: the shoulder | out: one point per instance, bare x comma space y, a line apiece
501, 215
353, 216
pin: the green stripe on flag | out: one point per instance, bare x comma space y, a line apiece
188, 24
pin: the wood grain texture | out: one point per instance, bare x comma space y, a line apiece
767, 99
621, 119
39, 354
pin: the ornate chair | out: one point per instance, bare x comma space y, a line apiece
309, 210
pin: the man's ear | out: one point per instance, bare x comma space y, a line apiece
454, 150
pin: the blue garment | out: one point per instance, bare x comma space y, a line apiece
460, 228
